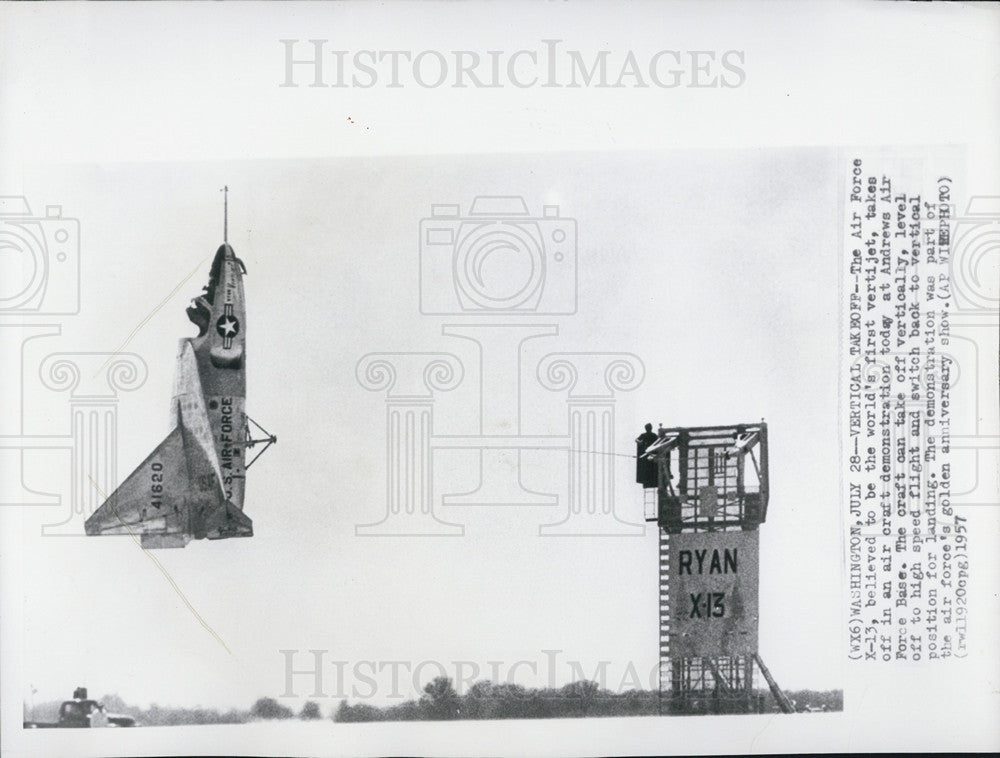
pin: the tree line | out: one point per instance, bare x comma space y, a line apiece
580, 699
439, 701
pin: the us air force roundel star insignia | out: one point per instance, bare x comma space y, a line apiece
228, 326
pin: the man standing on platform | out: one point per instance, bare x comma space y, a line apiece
645, 470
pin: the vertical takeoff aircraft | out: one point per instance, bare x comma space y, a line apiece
192, 485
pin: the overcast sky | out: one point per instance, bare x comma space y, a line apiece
717, 269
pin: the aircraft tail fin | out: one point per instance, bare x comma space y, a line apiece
151, 499
172, 497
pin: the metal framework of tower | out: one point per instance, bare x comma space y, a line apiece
709, 479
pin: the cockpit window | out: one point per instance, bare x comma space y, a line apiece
214, 274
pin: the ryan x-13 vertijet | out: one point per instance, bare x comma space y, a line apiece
192, 485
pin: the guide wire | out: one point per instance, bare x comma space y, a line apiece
587, 452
